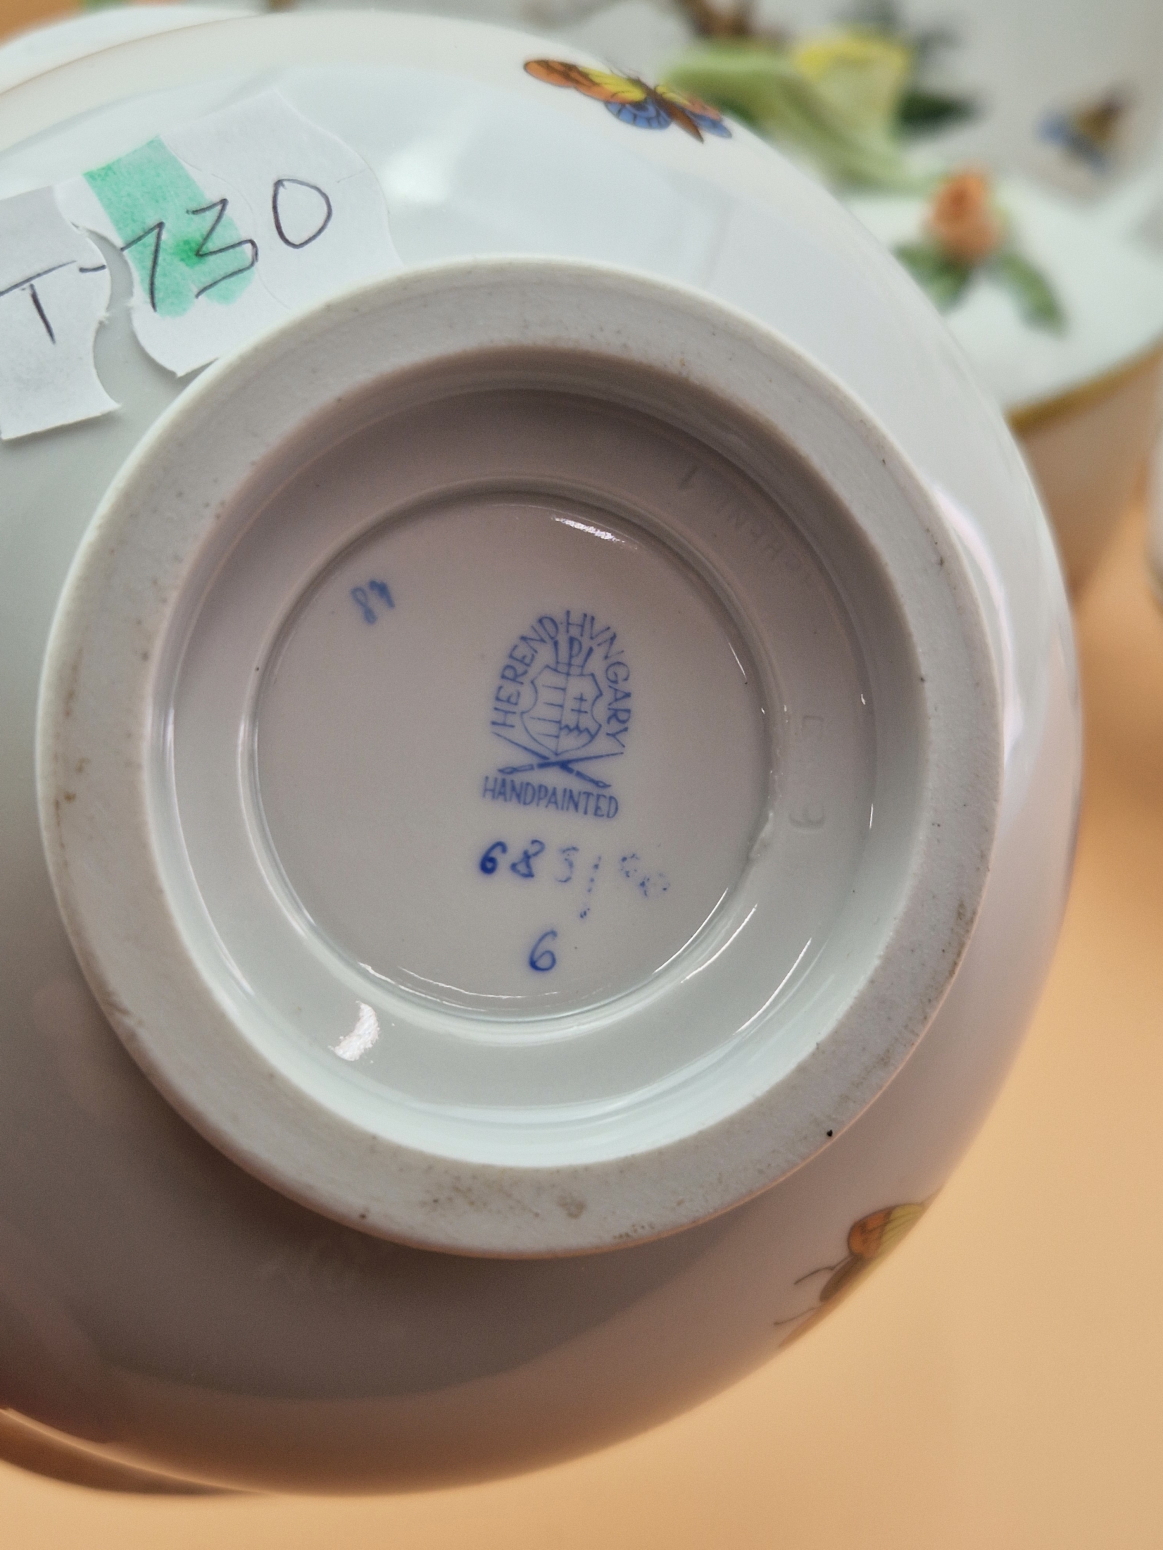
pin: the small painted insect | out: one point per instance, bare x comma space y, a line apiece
631, 100
1090, 133
869, 1240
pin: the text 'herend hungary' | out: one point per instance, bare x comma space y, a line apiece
562, 699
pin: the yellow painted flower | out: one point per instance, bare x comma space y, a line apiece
862, 75
833, 98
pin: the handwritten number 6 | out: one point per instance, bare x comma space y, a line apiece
489, 859
543, 958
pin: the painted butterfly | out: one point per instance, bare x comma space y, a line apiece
631, 100
1091, 132
869, 1240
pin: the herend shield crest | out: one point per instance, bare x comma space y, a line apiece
562, 700
561, 719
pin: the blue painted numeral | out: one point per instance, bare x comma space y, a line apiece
524, 867
359, 596
541, 957
489, 859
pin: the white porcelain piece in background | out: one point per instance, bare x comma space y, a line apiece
1136, 214
1083, 400
1065, 91
1070, 94
1088, 451
167, 1308
1080, 400
43, 47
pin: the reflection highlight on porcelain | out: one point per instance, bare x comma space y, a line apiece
362, 1037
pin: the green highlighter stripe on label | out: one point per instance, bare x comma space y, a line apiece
181, 243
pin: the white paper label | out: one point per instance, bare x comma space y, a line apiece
231, 223
54, 289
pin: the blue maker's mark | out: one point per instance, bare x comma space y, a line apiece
565, 799
561, 718
563, 698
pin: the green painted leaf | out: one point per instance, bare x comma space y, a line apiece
1031, 290
761, 85
943, 278
920, 112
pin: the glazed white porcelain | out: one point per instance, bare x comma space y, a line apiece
1030, 69
1081, 400
872, 535
594, 1009
1137, 214
43, 47
1110, 289
1037, 69
1084, 400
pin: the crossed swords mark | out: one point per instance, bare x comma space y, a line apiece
542, 763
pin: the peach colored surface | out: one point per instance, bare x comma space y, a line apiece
998, 1383
23, 13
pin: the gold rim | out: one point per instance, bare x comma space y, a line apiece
1027, 417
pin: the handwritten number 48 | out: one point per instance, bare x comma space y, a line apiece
362, 598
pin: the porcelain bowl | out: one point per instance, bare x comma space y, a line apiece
1048, 107
388, 1105
1083, 403
1070, 94
1137, 213
1083, 398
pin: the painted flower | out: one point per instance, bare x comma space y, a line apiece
963, 220
833, 98
966, 235
847, 100
862, 75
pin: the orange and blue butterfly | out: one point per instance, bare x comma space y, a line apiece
631, 100
1091, 132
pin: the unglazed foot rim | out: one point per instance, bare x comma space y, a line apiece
803, 630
